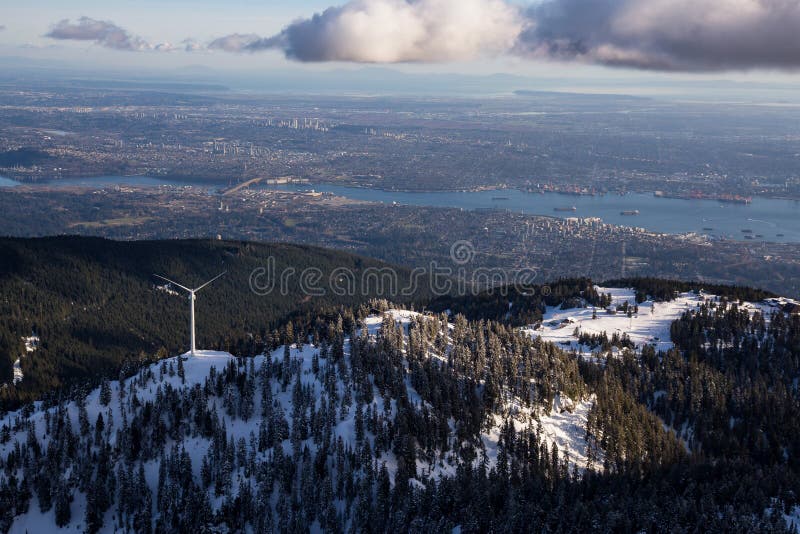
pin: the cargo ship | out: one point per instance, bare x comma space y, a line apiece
735, 199
629, 212
568, 208
699, 195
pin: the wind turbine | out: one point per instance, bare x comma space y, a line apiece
192, 297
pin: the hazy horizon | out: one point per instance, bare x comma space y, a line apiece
746, 48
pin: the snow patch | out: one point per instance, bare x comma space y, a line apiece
31, 343
18, 374
167, 288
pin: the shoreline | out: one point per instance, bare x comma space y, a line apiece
179, 181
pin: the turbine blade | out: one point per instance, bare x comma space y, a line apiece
212, 280
172, 282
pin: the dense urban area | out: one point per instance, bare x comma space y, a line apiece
577, 144
503, 241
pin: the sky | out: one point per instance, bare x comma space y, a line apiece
743, 40
26, 24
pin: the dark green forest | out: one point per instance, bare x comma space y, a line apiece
94, 303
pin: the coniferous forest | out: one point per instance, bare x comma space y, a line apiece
370, 417
97, 308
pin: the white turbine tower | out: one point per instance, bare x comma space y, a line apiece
192, 293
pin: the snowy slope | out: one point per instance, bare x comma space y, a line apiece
197, 369
564, 425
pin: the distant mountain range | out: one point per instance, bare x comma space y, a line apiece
387, 81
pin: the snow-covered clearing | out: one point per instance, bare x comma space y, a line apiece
649, 326
401, 317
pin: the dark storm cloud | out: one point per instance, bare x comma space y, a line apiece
688, 35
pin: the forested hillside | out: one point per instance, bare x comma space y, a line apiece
662, 406
402, 422
96, 306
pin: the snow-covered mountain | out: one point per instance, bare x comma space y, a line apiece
219, 420
406, 421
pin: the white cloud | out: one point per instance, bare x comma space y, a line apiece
101, 32
235, 42
394, 31
685, 35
